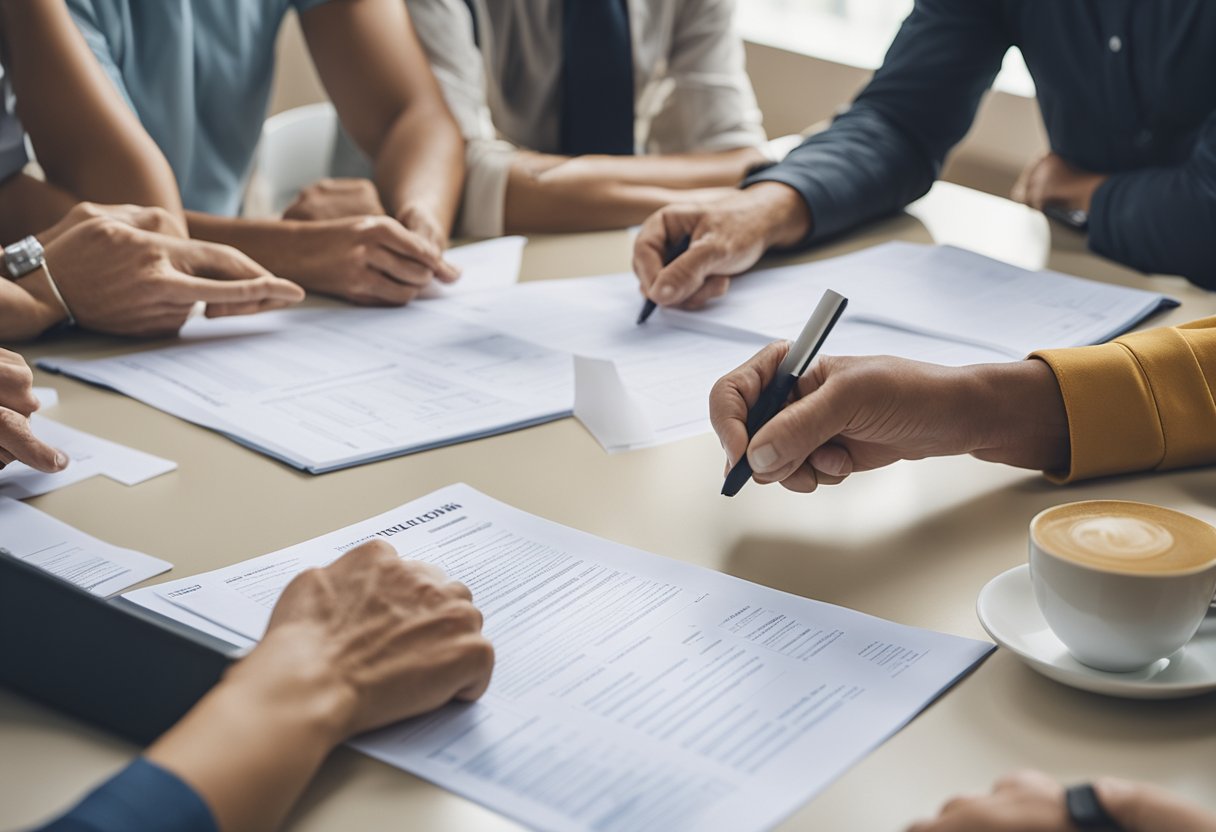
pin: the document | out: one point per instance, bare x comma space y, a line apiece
488, 265
921, 294
90, 456
42, 541
327, 389
635, 386
631, 692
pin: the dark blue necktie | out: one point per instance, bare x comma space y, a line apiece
597, 78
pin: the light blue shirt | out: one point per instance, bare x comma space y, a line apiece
198, 75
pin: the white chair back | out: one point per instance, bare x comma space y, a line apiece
296, 149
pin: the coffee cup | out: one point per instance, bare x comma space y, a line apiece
1122, 584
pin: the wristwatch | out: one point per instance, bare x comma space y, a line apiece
23, 257
1086, 811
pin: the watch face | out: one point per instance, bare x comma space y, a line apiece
23, 257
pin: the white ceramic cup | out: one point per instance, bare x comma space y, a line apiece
1114, 619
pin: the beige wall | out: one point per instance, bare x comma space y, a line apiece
795, 91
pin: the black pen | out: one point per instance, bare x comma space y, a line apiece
673, 251
796, 362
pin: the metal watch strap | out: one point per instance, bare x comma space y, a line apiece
1086, 811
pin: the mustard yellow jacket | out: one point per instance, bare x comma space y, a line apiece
1143, 402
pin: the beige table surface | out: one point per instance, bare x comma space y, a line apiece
913, 543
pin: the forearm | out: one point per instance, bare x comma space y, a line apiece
29, 206
420, 165
25, 315
87, 139
269, 242
1018, 414
1139, 807
251, 746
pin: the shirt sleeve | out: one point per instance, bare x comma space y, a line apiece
1143, 402
887, 149
445, 28
1162, 219
142, 796
711, 105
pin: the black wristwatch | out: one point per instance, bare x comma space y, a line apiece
1086, 811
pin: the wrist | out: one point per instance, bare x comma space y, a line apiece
1018, 414
782, 213
293, 680
43, 308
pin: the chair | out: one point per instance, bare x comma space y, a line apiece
296, 149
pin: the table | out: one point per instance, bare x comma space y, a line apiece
913, 543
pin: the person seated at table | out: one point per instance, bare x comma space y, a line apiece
199, 77
367, 641
17, 402
1124, 89
583, 114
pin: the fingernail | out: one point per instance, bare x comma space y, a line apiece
763, 459
667, 292
61, 460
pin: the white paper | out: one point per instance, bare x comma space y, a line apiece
89, 456
48, 397
41, 540
488, 265
946, 293
323, 390
631, 692
665, 371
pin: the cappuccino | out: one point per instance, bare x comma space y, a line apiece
1126, 538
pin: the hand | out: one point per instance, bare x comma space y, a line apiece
1033, 802
17, 402
856, 414
1052, 181
728, 237
373, 261
138, 216
391, 638
422, 222
331, 199
118, 279
1026, 802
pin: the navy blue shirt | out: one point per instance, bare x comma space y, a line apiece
142, 796
1126, 88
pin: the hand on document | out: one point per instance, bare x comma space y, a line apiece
727, 238
117, 276
856, 414
371, 261
17, 402
393, 638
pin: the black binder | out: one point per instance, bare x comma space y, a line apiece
108, 662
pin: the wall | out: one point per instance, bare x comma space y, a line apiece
795, 91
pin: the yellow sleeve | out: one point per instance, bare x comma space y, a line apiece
1142, 402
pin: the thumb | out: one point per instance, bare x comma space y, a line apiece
800, 430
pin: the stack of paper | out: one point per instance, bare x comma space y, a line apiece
631, 692
41, 540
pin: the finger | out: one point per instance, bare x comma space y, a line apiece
203, 259
399, 268
804, 480
396, 237
459, 590
795, 433
16, 387
19, 443
714, 287
373, 288
185, 289
650, 250
737, 391
480, 669
832, 461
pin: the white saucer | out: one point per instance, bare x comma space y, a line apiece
1008, 611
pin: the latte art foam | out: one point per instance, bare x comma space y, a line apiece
1129, 538
1126, 537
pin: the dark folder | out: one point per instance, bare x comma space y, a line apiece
110, 663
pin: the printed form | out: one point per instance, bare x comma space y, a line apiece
326, 389
631, 692
931, 303
41, 540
